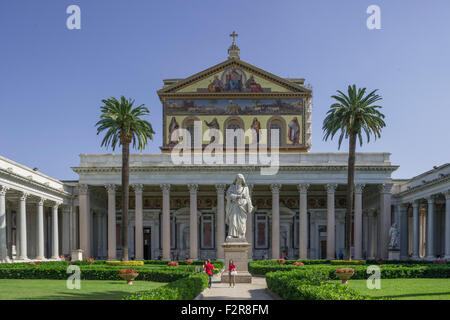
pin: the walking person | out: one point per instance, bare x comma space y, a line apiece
208, 267
232, 273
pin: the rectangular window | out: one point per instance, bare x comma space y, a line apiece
118, 234
207, 231
295, 227
261, 234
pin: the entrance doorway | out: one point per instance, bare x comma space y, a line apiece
147, 243
323, 241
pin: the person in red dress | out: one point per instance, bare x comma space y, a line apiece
232, 272
208, 267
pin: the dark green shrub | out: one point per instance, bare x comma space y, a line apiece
184, 289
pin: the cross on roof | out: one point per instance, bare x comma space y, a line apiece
234, 35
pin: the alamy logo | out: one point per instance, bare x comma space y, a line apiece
190, 149
74, 280
374, 280
374, 20
74, 20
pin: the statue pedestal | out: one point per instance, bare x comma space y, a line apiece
394, 254
237, 250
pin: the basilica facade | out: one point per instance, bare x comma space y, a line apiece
177, 210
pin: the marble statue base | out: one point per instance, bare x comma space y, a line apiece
237, 250
394, 254
77, 255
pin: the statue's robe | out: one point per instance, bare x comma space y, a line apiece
237, 210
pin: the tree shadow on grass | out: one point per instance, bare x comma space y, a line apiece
417, 295
75, 294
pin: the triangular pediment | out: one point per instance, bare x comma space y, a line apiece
233, 76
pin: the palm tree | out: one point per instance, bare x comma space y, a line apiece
352, 116
124, 125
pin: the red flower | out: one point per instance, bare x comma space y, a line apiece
127, 271
298, 263
172, 264
280, 261
345, 270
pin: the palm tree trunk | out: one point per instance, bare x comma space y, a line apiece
350, 191
125, 200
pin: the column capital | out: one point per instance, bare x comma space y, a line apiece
359, 187
303, 187
430, 200
193, 187
331, 187
110, 188
220, 187
56, 204
447, 194
41, 201
385, 187
165, 187
138, 188
415, 204
24, 196
275, 187
3, 190
83, 189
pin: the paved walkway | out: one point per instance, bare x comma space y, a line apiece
257, 290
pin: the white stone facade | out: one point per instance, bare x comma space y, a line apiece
172, 207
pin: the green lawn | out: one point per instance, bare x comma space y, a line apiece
14, 289
406, 289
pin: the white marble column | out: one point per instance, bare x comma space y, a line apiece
85, 220
249, 226
402, 211
275, 220
220, 222
166, 222
112, 250
139, 224
430, 229
303, 221
384, 219
447, 225
3, 242
358, 221
193, 222
23, 227
416, 232
331, 237
40, 229
55, 238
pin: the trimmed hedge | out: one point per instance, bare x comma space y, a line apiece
92, 272
125, 263
347, 262
184, 289
388, 271
309, 285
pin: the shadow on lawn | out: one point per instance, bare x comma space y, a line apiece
417, 295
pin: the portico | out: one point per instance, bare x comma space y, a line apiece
422, 208
32, 206
184, 206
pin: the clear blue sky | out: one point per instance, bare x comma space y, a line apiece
52, 79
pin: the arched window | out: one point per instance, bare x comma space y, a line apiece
234, 124
278, 125
188, 124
